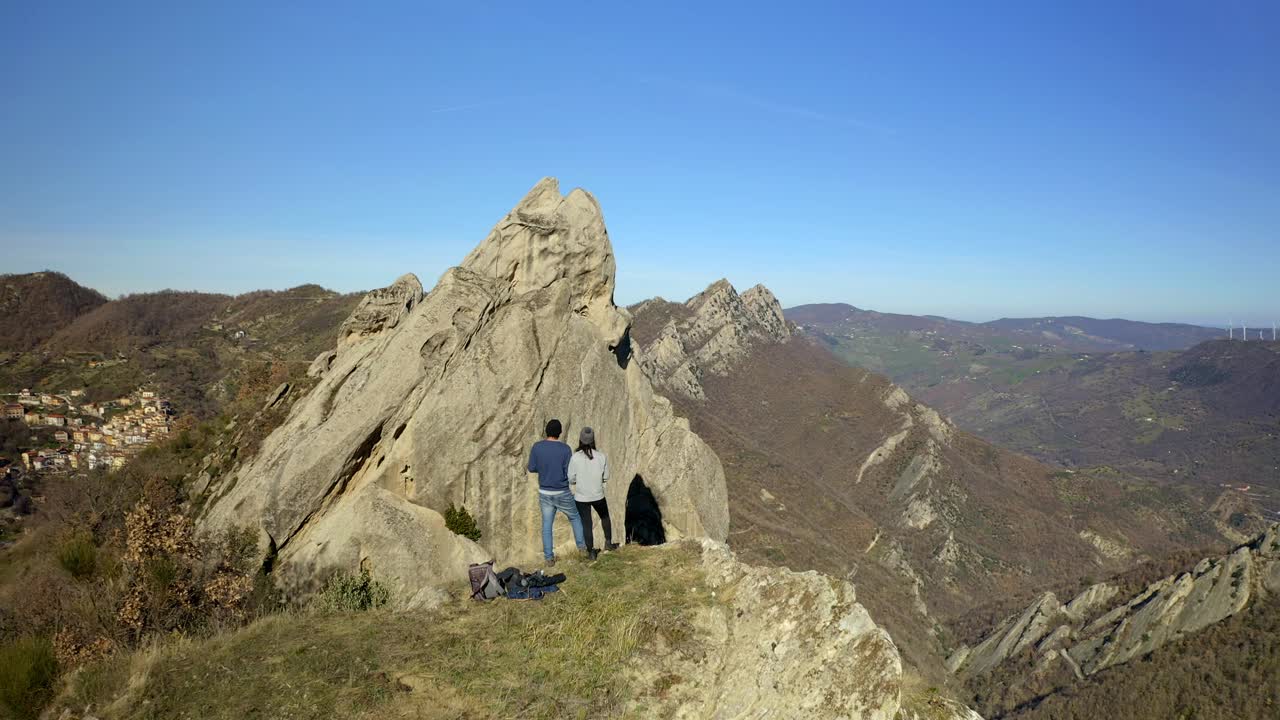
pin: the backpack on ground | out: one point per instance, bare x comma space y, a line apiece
484, 582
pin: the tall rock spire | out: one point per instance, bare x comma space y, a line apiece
432, 401
549, 238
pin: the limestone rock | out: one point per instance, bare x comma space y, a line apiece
1089, 599
380, 310
1175, 607
321, 364
1167, 609
1015, 636
781, 644
434, 400
275, 396
767, 311
709, 333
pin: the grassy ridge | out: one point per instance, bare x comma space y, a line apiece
561, 657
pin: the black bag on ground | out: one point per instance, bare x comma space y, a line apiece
538, 580
511, 577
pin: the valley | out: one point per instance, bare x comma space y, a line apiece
302, 416
1206, 414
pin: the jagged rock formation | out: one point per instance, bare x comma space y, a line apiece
379, 311
784, 644
771, 648
708, 334
432, 400
1091, 633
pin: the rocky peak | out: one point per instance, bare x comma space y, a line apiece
719, 291
767, 310
432, 401
710, 333
549, 238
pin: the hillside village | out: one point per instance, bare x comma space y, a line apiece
86, 435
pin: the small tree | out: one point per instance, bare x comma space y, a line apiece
78, 555
461, 523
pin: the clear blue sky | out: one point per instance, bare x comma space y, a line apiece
959, 158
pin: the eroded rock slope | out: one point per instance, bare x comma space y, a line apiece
1097, 629
708, 334
776, 644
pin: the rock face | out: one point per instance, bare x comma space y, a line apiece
1087, 640
708, 334
379, 311
780, 644
433, 400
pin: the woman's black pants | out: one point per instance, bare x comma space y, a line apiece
601, 507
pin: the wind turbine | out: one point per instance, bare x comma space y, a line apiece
1231, 329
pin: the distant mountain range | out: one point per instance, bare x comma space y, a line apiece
1180, 407
1081, 334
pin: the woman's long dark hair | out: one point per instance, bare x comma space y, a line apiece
587, 448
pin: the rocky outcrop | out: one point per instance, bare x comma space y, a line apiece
433, 400
708, 334
783, 644
1087, 640
380, 311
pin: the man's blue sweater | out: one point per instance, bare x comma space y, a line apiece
550, 459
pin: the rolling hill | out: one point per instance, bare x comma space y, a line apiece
1046, 334
187, 344
36, 306
1204, 415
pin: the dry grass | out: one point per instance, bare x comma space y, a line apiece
561, 657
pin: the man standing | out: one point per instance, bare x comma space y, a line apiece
550, 459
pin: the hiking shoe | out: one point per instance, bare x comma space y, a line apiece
551, 562
611, 546
592, 554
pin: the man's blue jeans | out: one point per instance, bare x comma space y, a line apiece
563, 502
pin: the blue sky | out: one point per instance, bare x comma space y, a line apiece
968, 159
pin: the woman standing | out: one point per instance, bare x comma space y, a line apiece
588, 473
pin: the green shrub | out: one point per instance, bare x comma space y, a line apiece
27, 671
348, 592
78, 555
461, 523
